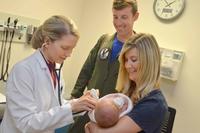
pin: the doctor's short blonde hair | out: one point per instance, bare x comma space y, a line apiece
54, 28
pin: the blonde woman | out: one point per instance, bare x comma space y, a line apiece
139, 79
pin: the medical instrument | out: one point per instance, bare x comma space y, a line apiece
3, 49
8, 33
60, 88
5, 75
58, 74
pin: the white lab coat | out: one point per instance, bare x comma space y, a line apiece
32, 102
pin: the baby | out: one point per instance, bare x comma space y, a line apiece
110, 108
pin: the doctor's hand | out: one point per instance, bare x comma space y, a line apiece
84, 103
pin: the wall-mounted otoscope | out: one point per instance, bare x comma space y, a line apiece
8, 34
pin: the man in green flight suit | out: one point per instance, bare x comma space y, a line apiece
101, 67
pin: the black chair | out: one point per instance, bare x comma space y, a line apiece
168, 122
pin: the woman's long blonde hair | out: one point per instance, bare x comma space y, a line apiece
148, 70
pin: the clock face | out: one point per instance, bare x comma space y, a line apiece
168, 9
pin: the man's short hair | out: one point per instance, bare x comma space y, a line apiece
121, 4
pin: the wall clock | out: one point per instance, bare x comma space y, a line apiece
168, 9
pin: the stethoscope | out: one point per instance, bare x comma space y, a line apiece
57, 71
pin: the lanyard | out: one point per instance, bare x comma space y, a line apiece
58, 73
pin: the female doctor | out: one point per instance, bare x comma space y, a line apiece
34, 104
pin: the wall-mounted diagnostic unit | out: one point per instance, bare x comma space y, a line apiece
23, 27
13, 29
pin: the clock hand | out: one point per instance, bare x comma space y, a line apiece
170, 3
166, 2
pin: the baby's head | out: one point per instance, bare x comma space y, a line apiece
106, 113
